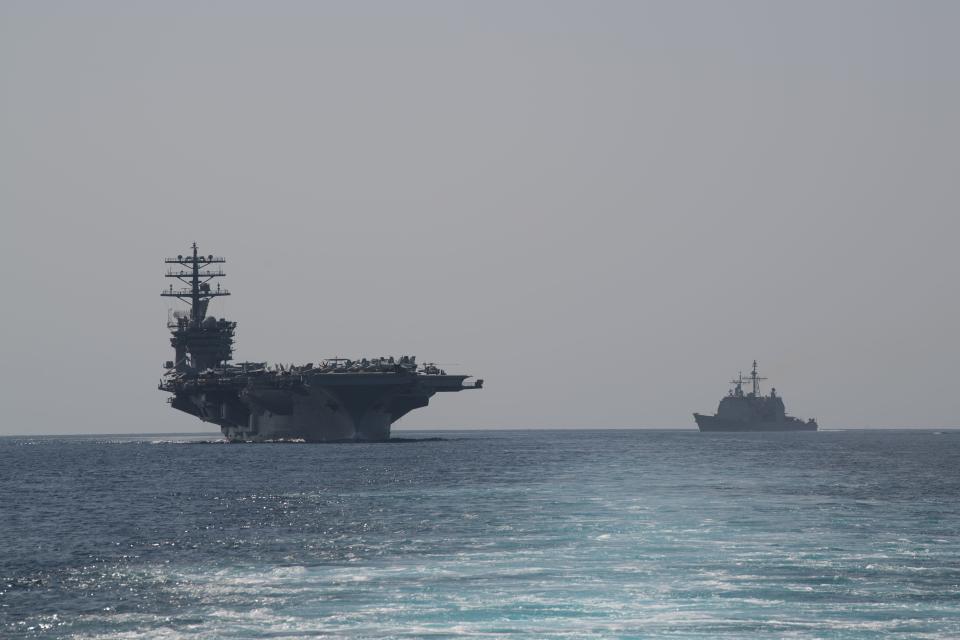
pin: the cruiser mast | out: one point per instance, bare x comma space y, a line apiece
738, 384
756, 380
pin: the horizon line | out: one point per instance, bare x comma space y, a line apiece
469, 429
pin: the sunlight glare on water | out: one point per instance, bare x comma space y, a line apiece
532, 533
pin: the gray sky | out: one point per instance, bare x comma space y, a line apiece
604, 209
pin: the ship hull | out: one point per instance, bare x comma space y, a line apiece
328, 408
713, 423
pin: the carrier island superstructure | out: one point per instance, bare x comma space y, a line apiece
336, 400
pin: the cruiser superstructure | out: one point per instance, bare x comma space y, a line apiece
740, 411
335, 400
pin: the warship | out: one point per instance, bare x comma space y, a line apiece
336, 400
740, 411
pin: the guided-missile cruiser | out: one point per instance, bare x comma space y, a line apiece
751, 411
336, 400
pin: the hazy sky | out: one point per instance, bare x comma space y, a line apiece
605, 209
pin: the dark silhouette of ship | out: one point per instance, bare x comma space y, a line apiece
337, 400
741, 411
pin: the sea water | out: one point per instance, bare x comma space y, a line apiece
528, 534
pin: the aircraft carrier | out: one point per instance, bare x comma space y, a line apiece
336, 400
751, 411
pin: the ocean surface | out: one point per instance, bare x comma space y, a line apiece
528, 534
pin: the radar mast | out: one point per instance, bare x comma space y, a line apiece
196, 274
738, 392
207, 341
756, 380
